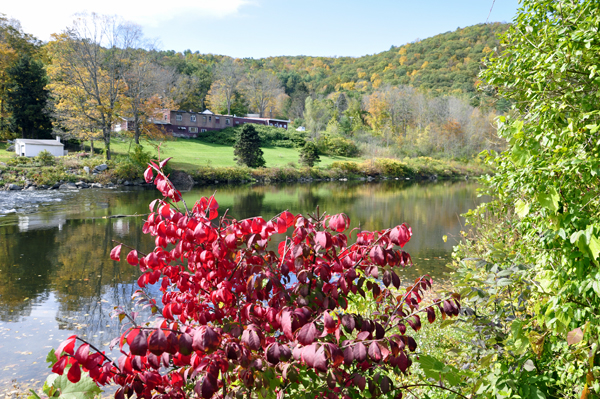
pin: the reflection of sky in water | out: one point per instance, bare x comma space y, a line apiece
58, 280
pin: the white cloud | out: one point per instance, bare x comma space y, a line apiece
43, 17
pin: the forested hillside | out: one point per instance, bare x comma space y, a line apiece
418, 99
447, 63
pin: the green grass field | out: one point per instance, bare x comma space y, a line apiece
189, 154
5, 155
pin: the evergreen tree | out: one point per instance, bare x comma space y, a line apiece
27, 98
309, 154
247, 149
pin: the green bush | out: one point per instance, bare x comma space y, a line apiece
391, 167
346, 167
19, 161
44, 158
207, 173
334, 144
139, 157
127, 170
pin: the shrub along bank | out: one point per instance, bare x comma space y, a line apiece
415, 168
45, 172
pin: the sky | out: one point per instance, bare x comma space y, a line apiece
263, 28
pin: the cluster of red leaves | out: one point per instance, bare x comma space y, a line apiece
233, 309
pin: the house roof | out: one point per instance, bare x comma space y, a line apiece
40, 142
207, 112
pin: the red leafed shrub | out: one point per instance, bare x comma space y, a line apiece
236, 317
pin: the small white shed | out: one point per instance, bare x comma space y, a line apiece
32, 147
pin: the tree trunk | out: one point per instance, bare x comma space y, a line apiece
92, 146
107, 142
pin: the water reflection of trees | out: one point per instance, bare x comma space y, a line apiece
74, 262
25, 269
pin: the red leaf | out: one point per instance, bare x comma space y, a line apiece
281, 225
348, 322
308, 354
360, 352
185, 344
307, 334
157, 343
82, 353
74, 374
148, 175
375, 352
348, 356
360, 381
132, 258
207, 387
377, 255
286, 324
66, 346
320, 359
115, 254
59, 367
164, 162
165, 211
403, 362
401, 235
335, 355
138, 342
252, 339
289, 218
330, 324
273, 353
323, 238
210, 338
430, 315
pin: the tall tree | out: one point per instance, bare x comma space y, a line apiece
262, 90
228, 75
88, 64
13, 44
309, 154
247, 149
145, 94
316, 115
27, 98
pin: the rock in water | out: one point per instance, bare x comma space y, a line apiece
68, 186
13, 187
181, 180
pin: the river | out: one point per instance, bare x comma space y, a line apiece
57, 278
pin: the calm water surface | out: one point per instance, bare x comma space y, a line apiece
57, 278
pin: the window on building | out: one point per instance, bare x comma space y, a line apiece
227, 121
179, 117
217, 119
203, 130
166, 117
204, 119
237, 122
210, 118
193, 118
193, 130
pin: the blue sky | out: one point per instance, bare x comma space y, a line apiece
262, 28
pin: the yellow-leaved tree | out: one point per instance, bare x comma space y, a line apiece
87, 67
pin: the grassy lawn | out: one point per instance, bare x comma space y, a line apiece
189, 154
5, 155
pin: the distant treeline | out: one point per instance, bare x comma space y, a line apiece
416, 99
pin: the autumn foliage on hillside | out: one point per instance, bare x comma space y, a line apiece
238, 316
